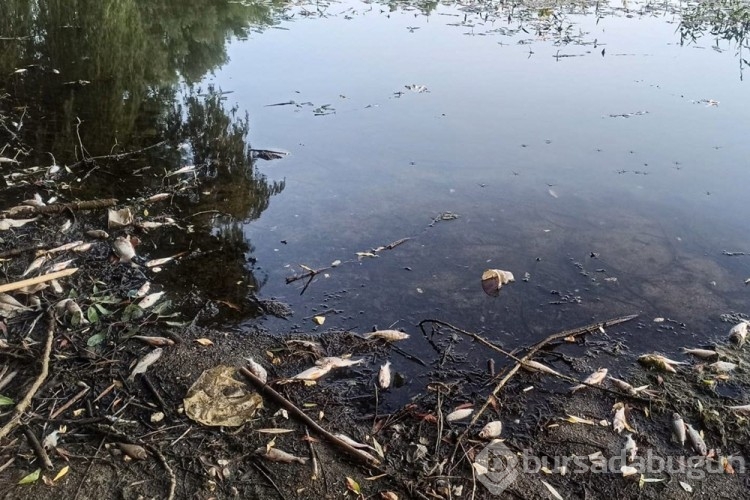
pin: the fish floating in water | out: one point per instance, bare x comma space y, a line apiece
387, 335
384, 376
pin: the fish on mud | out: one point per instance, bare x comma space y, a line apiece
387, 335
384, 376
706, 354
660, 362
696, 440
491, 430
738, 333
277, 455
595, 378
257, 369
678, 426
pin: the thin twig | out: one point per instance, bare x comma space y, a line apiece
70, 403
38, 448
291, 408
170, 472
26, 401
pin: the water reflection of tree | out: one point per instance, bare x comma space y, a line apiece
110, 63
724, 19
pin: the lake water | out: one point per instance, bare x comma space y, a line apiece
596, 151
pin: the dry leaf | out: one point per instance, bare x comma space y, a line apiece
204, 342
62, 472
352, 485
119, 218
146, 361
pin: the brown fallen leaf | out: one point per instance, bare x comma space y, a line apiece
204, 342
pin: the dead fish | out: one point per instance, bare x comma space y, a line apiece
353, 443
738, 333
157, 197
35, 264
277, 455
722, 367
61, 265
491, 430
98, 234
66, 226
124, 249
6, 224
150, 300
162, 261
696, 440
9, 300
387, 335
133, 451
151, 225
619, 422
745, 409
257, 369
384, 376
678, 426
65, 247
313, 373
154, 341
702, 353
146, 361
143, 290
82, 248
624, 386
337, 362
184, 170
595, 378
660, 362
459, 414
630, 447
534, 366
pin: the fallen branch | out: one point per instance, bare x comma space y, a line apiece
58, 208
26, 401
38, 448
291, 408
9, 287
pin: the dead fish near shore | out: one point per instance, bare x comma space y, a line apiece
277, 455
491, 430
384, 375
35, 264
313, 373
353, 443
387, 335
124, 249
154, 341
534, 366
699, 445
595, 378
146, 361
257, 369
459, 414
738, 333
678, 426
630, 448
494, 279
150, 300
706, 354
743, 409
98, 234
629, 389
660, 362
620, 422
337, 362
6, 224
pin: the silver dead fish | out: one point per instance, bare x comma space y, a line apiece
702, 353
595, 378
387, 335
337, 362
146, 361
277, 455
384, 375
723, 367
660, 362
257, 369
678, 426
124, 249
630, 447
491, 430
696, 440
534, 366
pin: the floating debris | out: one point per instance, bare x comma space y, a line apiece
494, 279
387, 335
217, 398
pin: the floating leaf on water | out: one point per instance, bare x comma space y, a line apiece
31, 478
494, 279
119, 218
144, 363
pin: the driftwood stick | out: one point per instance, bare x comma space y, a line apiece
9, 287
23, 211
291, 408
26, 401
38, 448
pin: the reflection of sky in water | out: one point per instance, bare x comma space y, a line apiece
513, 122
